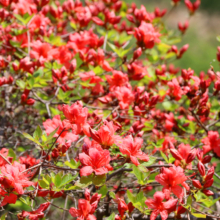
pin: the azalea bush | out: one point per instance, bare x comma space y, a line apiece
97, 122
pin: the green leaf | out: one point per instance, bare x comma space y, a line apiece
3, 217
141, 173
131, 197
72, 164
189, 200
43, 183
164, 156
31, 81
27, 18
21, 83
50, 136
78, 61
20, 18
138, 200
28, 136
99, 180
57, 180
199, 215
112, 195
11, 153
111, 217
210, 202
86, 179
25, 200
37, 134
38, 73
67, 178
149, 162
103, 191
218, 38
15, 43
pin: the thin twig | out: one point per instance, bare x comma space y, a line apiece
5, 159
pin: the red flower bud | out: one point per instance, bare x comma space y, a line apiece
130, 18
183, 50
137, 53
10, 79
174, 49
44, 2
191, 156
15, 66
207, 192
122, 207
72, 65
218, 54
199, 154
206, 159
175, 153
176, 1
130, 207
55, 153
201, 168
208, 183
23, 98
30, 101
87, 194
95, 136
197, 184
98, 21
210, 173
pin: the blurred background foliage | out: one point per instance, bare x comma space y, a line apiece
201, 35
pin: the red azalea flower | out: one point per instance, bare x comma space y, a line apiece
171, 178
76, 114
117, 79
160, 207
52, 124
132, 148
37, 214
212, 142
96, 161
105, 135
11, 177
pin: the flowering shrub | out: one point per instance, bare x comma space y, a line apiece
96, 121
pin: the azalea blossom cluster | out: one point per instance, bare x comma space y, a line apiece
98, 122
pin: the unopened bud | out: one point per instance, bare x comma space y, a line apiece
197, 184
191, 156
208, 183
201, 168
175, 153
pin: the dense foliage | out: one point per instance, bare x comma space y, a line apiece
96, 121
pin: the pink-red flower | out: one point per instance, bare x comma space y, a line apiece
132, 148
76, 114
37, 214
63, 126
105, 135
86, 207
125, 96
175, 90
12, 178
160, 207
212, 142
184, 155
171, 178
85, 210
7, 198
117, 79
146, 35
40, 49
96, 161
4, 153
